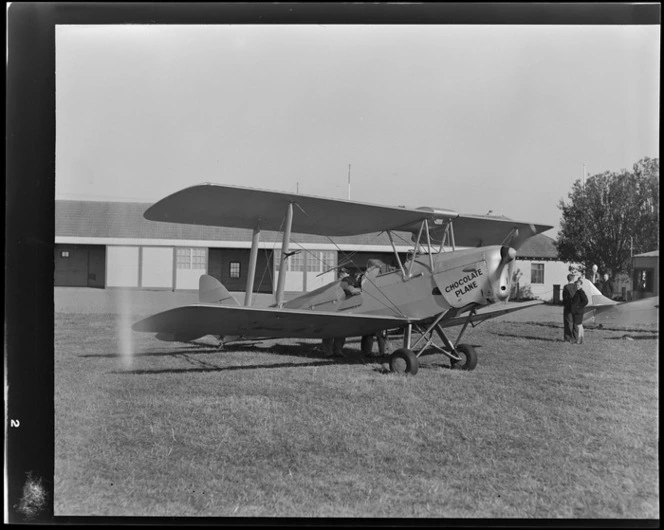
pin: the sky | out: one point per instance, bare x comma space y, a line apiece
476, 119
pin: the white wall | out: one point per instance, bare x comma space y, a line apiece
157, 267
187, 279
122, 266
555, 273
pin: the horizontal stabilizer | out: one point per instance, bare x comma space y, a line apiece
212, 291
644, 312
595, 298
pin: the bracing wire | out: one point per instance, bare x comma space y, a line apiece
394, 306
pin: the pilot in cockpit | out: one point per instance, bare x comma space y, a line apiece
350, 283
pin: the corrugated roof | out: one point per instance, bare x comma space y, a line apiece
100, 219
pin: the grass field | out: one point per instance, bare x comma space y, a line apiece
541, 429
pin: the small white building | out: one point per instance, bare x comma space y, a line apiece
539, 270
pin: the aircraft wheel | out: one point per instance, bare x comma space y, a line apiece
468, 358
367, 345
404, 361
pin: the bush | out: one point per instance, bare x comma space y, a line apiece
520, 292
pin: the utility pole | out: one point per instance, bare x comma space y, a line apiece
348, 181
583, 182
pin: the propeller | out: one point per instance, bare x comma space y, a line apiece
507, 254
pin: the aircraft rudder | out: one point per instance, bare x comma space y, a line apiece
212, 291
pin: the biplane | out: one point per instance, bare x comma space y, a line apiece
438, 286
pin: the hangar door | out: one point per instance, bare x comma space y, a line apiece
79, 266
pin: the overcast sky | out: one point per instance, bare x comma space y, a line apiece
471, 118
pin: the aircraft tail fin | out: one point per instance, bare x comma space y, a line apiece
595, 298
211, 291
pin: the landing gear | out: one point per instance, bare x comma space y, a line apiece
461, 356
367, 345
468, 358
404, 361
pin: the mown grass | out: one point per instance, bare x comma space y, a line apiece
541, 429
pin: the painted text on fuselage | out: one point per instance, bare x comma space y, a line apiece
465, 284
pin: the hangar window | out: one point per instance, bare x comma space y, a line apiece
197, 258
65, 254
296, 262
537, 273
320, 261
190, 258
234, 269
313, 262
329, 259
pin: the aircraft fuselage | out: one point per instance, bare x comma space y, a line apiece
460, 279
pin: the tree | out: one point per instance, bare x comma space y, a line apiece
611, 217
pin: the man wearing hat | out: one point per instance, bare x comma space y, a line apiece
568, 320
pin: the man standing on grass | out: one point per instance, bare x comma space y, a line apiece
606, 288
578, 304
568, 321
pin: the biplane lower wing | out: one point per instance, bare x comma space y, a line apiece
489, 312
213, 319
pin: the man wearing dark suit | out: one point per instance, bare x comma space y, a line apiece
578, 304
606, 288
568, 321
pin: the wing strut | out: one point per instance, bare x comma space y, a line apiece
284, 252
252, 265
396, 254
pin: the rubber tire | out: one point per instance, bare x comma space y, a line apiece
404, 361
367, 345
467, 351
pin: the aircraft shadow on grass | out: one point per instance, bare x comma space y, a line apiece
305, 350
635, 337
208, 367
529, 337
622, 337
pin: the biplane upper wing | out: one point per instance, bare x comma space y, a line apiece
238, 207
488, 312
198, 320
217, 205
482, 230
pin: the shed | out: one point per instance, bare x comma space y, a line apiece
645, 275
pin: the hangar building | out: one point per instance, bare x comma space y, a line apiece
111, 245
